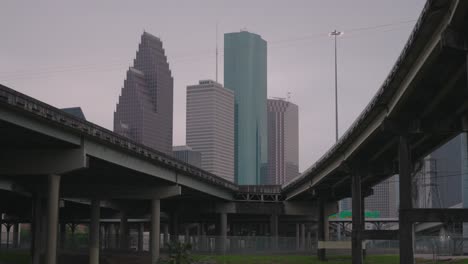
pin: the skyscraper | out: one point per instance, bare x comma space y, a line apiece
144, 110
245, 72
210, 126
283, 141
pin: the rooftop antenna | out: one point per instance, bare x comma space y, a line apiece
216, 51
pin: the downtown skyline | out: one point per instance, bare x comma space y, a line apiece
312, 88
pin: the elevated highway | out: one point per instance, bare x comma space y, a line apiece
422, 104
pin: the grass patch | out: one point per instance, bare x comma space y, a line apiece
293, 259
14, 257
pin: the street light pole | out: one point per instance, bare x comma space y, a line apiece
335, 34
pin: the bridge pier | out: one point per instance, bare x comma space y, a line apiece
274, 230
52, 218
166, 234
406, 226
357, 217
94, 230
141, 230
155, 229
123, 230
321, 252
15, 235
223, 232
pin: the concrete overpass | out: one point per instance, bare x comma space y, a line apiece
48, 155
422, 104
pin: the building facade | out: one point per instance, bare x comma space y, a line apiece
210, 126
245, 73
283, 141
145, 108
187, 155
384, 200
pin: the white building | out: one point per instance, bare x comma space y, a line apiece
210, 126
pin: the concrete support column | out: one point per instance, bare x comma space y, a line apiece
298, 240
113, 236
1, 228
274, 230
8, 228
36, 229
203, 236
155, 229
52, 218
358, 221
166, 235
94, 231
123, 230
141, 230
174, 227
15, 235
223, 232
321, 253
63, 233
406, 203
303, 236
187, 234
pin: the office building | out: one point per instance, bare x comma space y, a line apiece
187, 155
210, 126
283, 141
245, 73
144, 110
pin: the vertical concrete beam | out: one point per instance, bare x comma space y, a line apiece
36, 229
274, 230
298, 231
356, 239
52, 218
187, 233
203, 236
321, 253
166, 234
123, 230
174, 227
141, 230
15, 235
94, 232
223, 232
406, 203
155, 229
63, 234
303, 234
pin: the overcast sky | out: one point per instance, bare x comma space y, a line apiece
76, 53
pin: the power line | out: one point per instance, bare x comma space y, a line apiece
25, 74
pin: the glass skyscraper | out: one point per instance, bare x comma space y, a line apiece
245, 72
144, 111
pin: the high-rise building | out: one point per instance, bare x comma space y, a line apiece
187, 155
144, 111
384, 200
245, 72
210, 126
283, 141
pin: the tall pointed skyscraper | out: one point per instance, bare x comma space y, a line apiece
245, 72
145, 108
